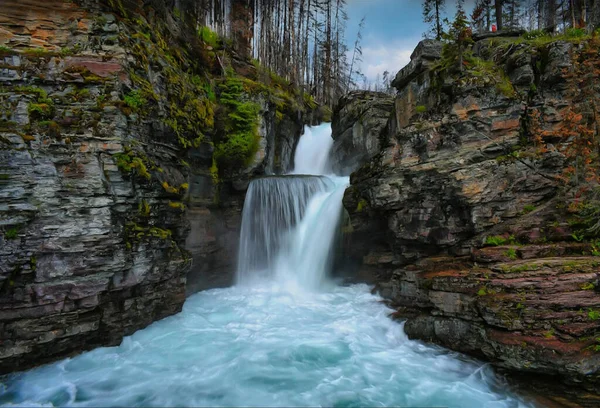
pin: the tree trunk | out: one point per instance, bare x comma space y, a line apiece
438, 22
550, 14
498, 7
594, 15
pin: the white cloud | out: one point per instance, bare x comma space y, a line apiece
388, 57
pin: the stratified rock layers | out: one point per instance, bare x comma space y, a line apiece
108, 215
461, 225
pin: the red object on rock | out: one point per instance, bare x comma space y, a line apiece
494, 29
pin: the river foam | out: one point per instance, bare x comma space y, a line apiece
264, 346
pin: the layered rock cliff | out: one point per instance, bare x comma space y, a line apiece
463, 220
116, 177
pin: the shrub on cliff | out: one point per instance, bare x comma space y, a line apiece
237, 143
578, 136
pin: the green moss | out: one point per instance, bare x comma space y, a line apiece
593, 314
79, 95
4, 176
362, 204
7, 125
214, 172
421, 109
144, 208
208, 36
129, 161
528, 208
136, 232
511, 253
495, 240
588, 286
11, 233
327, 113
168, 188
177, 205
135, 100
5, 50
238, 144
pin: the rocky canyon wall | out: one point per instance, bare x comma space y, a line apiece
463, 220
111, 198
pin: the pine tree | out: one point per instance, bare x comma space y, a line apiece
460, 35
433, 15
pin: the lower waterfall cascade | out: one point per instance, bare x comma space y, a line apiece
285, 335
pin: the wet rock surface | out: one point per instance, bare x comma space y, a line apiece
464, 229
106, 220
357, 124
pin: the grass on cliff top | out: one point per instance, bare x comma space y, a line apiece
475, 72
540, 38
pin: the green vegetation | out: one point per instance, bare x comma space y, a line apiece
511, 253
144, 208
11, 233
421, 109
129, 161
588, 286
177, 205
238, 144
593, 314
135, 100
137, 232
42, 107
208, 36
528, 208
168, 188
4, 49
189, 98
496, 240
362, 204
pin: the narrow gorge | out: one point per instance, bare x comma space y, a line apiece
182, 226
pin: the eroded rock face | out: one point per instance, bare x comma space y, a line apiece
88, 253
357, 123
106, 220
456, 178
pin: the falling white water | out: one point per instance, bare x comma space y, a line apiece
273, 207
312, 152
290, 222
267, 343
305, 262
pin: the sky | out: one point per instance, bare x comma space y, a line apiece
393, 28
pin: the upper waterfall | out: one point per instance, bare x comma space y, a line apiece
273, 206
312, 152
290, 223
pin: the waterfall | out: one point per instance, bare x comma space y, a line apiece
289, 223
273, 206
312, 152
277, 341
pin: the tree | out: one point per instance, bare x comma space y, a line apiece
499, 17
480, 16
356, 54
460, 35
432, 14
242, 27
